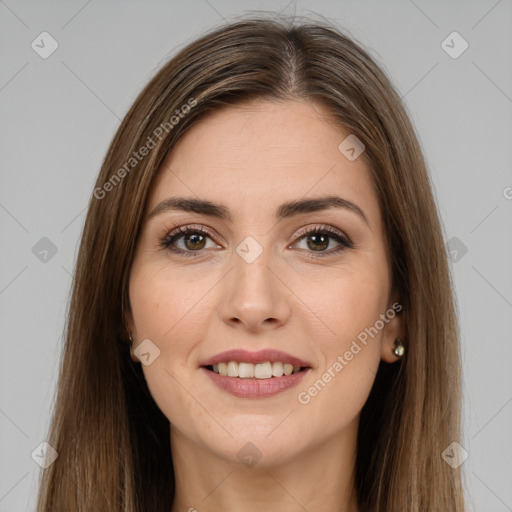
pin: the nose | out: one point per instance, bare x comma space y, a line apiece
255, 297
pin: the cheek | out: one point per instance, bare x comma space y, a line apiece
346, 305
166, 303
335, 396
171, 312
350, 305
334, 400
165, 311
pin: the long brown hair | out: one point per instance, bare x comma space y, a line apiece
112, 440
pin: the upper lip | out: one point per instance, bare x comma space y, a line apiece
262, 356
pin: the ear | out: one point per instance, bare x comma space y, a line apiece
127, 316
394, 328
129, 323
130, 329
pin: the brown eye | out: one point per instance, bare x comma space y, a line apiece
318, 241
192, 239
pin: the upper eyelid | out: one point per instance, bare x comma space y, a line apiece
181, 231
320, 228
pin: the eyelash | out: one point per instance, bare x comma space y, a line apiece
170, 238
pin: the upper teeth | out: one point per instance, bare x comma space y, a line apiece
259, 371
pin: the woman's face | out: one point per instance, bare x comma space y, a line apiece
271, 270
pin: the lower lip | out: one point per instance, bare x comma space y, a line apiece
255, 388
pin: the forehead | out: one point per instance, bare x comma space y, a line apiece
261, 154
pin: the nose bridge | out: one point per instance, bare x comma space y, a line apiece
254, 297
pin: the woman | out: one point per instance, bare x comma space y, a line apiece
262, 314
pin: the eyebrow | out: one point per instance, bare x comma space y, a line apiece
286, 210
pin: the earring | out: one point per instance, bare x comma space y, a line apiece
399, 348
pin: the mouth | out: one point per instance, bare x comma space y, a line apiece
246, 374
266, 370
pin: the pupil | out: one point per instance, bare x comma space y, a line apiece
323, 245
194, 239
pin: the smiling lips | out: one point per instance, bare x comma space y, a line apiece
264, 370
255, 374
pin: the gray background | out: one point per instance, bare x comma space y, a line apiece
59, 114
